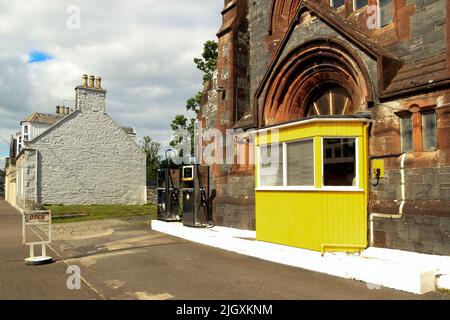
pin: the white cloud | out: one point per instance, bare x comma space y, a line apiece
142, 49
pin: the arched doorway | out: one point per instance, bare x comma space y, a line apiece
310, 72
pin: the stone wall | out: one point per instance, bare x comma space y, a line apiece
152, 195
260, 53
427, 32
424, 226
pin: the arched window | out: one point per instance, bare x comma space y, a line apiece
332, 100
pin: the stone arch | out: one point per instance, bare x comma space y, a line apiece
305, 70
282, 12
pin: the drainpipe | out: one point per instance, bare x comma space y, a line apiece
36, 170
399, 215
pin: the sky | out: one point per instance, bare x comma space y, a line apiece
142, 49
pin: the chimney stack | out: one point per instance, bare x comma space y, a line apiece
84, 81
98, 83
90, 96
58, 109
91, 81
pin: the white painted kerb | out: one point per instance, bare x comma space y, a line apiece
406, 271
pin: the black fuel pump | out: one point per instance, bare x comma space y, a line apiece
168, 194
197, 202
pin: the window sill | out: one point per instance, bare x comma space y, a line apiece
311, 189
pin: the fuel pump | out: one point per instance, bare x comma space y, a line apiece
168, 194
197, 202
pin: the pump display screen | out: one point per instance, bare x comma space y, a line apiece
188, 173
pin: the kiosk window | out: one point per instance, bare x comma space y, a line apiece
300, 163
271, 167
339, 162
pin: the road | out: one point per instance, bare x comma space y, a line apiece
124, 260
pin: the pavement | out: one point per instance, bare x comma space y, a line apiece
126, 260
21, 282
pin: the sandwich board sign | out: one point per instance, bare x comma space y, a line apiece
33, 222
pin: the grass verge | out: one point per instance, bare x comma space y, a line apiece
66, 214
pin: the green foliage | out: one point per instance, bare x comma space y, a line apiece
2, 173
182, 127
194, 103
151, 149
208, 62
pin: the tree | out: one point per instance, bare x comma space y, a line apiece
184, 128
194, 103
183, 132
208, 62
151, 149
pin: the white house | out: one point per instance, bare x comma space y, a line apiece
78, 156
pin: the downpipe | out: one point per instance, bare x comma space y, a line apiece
398, 215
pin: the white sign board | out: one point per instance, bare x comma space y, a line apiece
37, 218
37, 224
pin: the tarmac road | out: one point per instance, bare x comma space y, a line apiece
124, 259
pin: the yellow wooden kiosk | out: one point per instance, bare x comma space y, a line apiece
312, 184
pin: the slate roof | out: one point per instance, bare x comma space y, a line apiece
44, 118
423, 74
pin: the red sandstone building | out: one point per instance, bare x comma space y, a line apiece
385, 61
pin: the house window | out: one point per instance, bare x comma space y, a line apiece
406, 131
385, 12
333, 100
300, 163
429, 131
271, 159
337, 3
339, 162
357, 4
25, 129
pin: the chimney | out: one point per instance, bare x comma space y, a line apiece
90, 96
91, 81
58, 109
84, 81
98, 83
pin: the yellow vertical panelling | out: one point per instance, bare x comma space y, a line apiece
318, 162
310, 219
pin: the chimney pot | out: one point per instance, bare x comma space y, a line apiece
91, 81
84, 82
58, 109
98, 83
